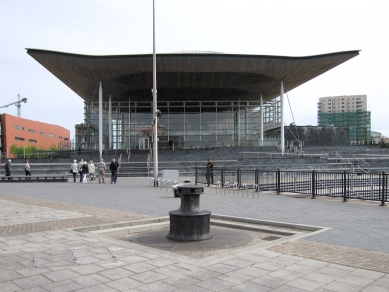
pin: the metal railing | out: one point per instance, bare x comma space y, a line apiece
42, 154
257, 155
364, 186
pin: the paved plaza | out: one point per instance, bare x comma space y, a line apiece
41, 249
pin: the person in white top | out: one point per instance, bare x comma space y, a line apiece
74, 169
91, 169
27, 168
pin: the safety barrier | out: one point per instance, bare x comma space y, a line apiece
364, 186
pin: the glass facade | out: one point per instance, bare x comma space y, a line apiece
189, 124
359, 123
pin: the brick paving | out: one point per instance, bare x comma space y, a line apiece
67, 260
97, 216
352, 257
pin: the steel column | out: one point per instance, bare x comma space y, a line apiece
101, 120
282, 118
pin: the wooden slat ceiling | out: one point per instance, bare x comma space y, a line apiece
200, 76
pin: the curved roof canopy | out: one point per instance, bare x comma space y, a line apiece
186, 76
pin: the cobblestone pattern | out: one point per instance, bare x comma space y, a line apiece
335, 254
97, 216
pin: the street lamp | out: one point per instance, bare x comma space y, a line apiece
155, 125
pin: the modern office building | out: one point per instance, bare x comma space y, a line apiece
23, 132
207, 99
346, 110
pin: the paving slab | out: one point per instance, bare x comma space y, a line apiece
348, 257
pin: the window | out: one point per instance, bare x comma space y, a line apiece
52, 135
32, 130
60, 137
19, 127
19, 139
43, 133
32, 141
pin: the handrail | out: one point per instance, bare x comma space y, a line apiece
324, 168
148, 164
362, 160
298, 154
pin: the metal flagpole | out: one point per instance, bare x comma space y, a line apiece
110, 123
155, 122
282, 119
101, 120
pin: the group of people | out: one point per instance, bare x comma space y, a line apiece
83, 168
8, 168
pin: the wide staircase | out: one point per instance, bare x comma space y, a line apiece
139, 162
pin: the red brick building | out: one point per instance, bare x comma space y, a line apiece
22, 132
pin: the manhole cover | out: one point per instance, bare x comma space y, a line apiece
223, 238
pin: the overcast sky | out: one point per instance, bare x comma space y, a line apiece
277, 27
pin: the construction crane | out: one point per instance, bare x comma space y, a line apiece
18, 104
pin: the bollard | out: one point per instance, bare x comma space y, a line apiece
384, 187
235, 186
218, 185
189, 222
226, 185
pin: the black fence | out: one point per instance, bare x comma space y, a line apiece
364, 186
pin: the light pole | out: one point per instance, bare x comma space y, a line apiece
155, 122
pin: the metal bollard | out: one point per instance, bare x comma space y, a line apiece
162, 183
169, 184
226, 185
245, 186
218, 185
236, 185
255, 188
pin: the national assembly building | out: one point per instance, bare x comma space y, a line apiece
206, 99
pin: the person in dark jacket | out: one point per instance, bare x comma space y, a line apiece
85, 171
209, 174
114, 170
80, 164
8, 168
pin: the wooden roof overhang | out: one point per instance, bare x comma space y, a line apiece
185, 76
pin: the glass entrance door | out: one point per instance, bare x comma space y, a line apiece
143, 143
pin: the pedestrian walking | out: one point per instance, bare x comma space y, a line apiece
101, 167
27, 168
80, 164
84, 170
114, 170
91, 170
8, 168
74, 169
